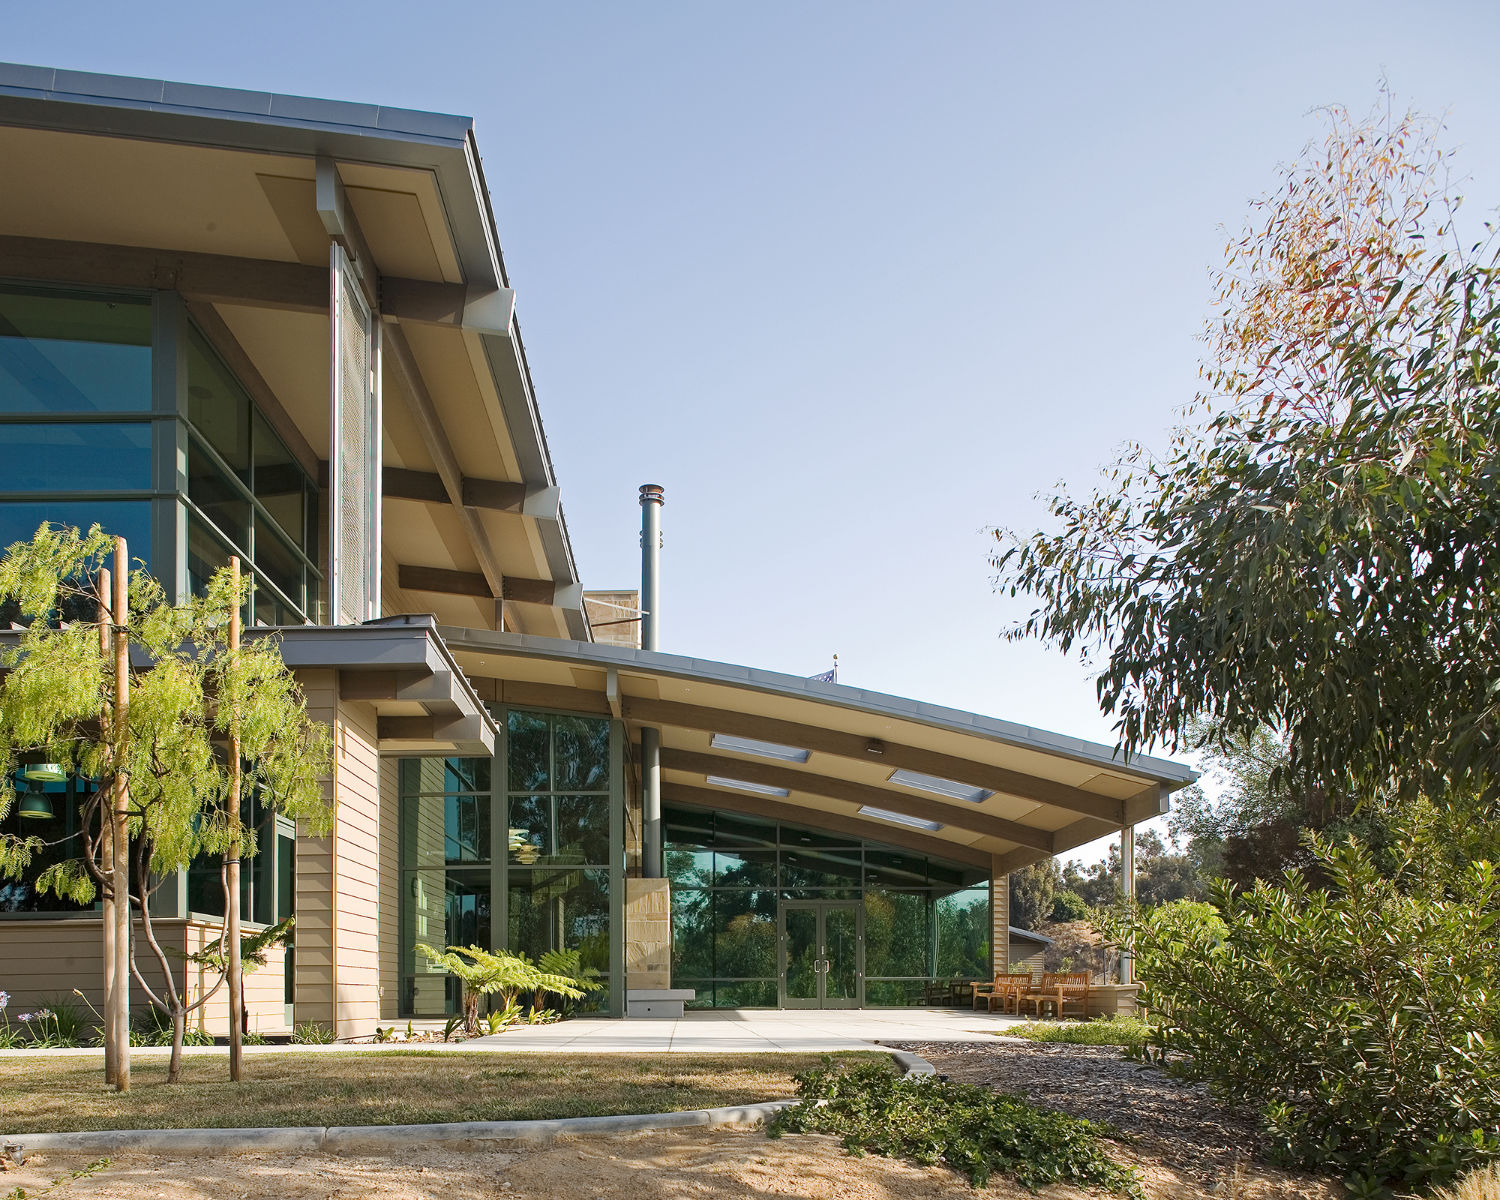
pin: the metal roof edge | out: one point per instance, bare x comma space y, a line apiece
1164, 771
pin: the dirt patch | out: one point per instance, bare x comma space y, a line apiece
687, 1165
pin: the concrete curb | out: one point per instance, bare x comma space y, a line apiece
337, 1138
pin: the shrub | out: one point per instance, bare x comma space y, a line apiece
153, 1027
1362, 1019
1131, 1032
1068, 905
311, 1033
975, 1131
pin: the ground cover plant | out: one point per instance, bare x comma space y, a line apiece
44, 1094
974, 1130
1104, 1031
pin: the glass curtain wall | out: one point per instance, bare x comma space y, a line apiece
923, 919
103, 427
546, 877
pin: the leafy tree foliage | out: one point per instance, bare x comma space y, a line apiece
1315, 551
1361, 1018
1032, 892
497, 973
183, 803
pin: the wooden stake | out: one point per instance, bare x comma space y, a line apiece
121, 817
232, 871
107, 853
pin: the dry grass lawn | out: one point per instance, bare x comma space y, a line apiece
46, 1094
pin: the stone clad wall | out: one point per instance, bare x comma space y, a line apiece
648, 933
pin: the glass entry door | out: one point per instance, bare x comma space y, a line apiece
822, 953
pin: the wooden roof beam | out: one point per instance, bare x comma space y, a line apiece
957, 814
859, 827
890, 754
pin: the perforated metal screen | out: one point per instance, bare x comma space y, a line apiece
354, 464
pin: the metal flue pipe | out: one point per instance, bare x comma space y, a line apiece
651, 832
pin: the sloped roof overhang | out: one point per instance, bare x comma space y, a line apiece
271, 123
865, 762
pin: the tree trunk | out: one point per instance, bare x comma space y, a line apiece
179, 1031
235, 969
120, 816
107, 855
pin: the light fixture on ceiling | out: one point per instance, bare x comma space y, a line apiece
895, 818
940, 786
744, 745
35, 805
44, 772
744, 785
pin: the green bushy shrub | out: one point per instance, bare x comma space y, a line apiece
310, 1033
1068, 905
1360, 1018
975, 1131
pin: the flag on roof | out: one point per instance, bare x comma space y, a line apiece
828, 676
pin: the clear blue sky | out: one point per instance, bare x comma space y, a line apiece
852, 280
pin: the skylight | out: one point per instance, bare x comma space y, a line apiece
895, 818
744, 785
744, 745
942, 787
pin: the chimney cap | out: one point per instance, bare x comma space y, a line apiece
652, 493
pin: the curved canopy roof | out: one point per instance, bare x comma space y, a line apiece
969, 788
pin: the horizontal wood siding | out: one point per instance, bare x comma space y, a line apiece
357, 872
313, 995
46, 959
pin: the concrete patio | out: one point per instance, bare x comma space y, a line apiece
750, 1030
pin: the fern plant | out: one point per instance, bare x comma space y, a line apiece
495, 973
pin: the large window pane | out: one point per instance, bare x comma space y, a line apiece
59, 833
65, 352
745, 868
278, 562
744, 934
561, 909
130, 519
427, 775
76, 457
217, 495
897, 935
963, 934
744, 993
692, 934
217, 406
581, 748
206, 553
687, 867
561, 829
816, 869
437, 830
279, 482
528, 752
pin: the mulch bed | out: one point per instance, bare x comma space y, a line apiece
1177, 1123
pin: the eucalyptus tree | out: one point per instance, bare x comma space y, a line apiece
1316, 550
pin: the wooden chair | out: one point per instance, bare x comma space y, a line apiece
1062, 990
1005, 991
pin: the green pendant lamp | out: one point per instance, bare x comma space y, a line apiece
36, 805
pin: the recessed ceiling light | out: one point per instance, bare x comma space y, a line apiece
895, 818
744, 745
940, 786
744, 785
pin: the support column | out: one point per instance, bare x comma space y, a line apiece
651, 839
999, 924
1127, 878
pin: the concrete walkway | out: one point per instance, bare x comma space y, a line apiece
747, 1031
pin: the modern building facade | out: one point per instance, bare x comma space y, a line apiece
234, 323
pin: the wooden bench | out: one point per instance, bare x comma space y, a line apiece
1005, 991
1062, 990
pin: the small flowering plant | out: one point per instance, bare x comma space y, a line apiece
42, 1029
10, 1036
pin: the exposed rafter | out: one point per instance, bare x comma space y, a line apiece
958, 814
470, 583
892, 754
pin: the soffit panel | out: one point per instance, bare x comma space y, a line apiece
425, 535
464, 410
395, 229
160, 194
420, 185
